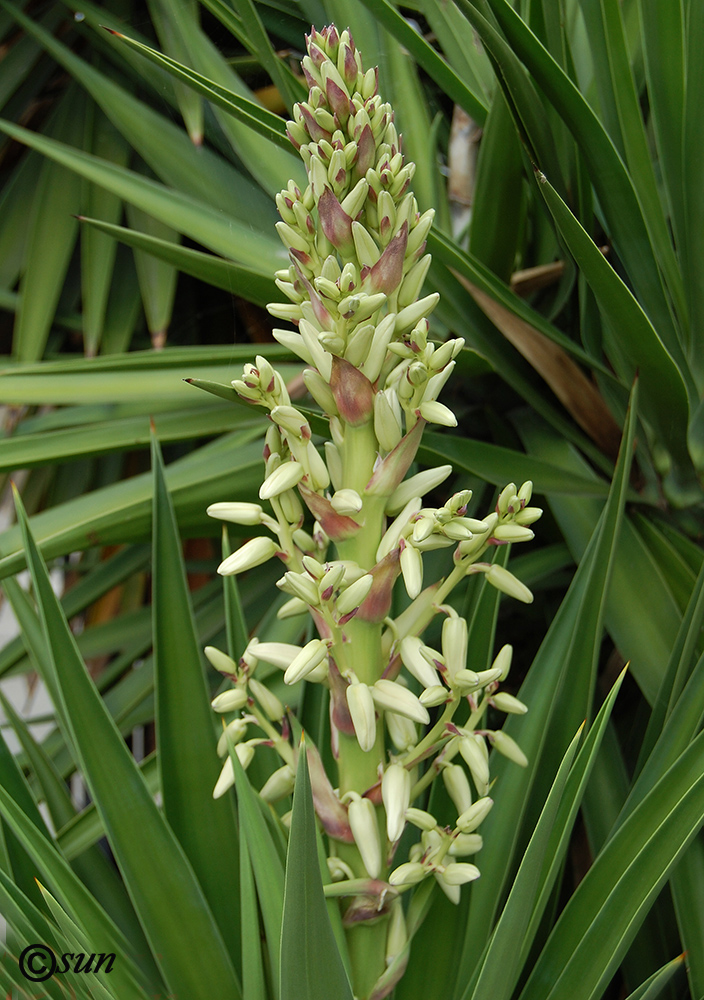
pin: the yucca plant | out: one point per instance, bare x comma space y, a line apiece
575, 269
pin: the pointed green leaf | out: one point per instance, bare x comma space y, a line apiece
152, 861
307, 941
189, 767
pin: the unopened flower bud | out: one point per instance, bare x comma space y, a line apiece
237, 513
529, 515
284, 478
230, 701
454, 644
513, 533
459, 873
292, 608
232, 733
267, 699
507, 583
412, 570
473, 750
354, 595
421, 819
502, 661
361, 708
313, 653
410, 873
473, 817
457, 785
507, 703
221, 661
402, 730
396, 698
396, 796
437, 413
301, 586
279, 654
466, 843
412, 651
346, 501
279, 784
397, 934
435, 695
253, 553
417, 486
362, 819
508, 747
226, 780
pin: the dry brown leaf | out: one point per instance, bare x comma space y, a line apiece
576, 392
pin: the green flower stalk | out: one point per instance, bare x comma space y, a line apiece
347, 521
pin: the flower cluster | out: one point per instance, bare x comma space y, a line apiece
356, 243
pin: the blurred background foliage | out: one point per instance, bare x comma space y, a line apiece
560, 143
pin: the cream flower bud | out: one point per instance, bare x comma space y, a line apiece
407, 318
318, 470
253, 553
505, 497
313, 653
436, 383
513, 533
387, 427
397, 934
392, 696
410, 873
230, 701
279, 654
232, 733
502, 661
417, 486
237, 513
421, 819
507, 703
435, 695
351, 598
457, 785
437, 413
291, 239
507, 583
525, 492
346, 501
267, 699
354, 201
445, 353
451, 891
284, 478
226, 780
393, 533
412, 570
473, 817
289, 338
361, 707
466, 843
412, 651
320, 391
380, 344
301, 586
279, 784
367, 251
292, 608
473, 750
362, 819
396, 796
459, 873
454, 644
507, 746
529, 515
289, 419
402, 730
413, 282
221, 661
